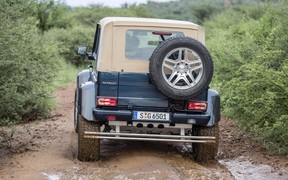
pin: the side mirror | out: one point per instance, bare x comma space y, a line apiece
82, 50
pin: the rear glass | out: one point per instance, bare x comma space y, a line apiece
140, 44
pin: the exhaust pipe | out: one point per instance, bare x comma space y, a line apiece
160, 126
139, 125
150, 126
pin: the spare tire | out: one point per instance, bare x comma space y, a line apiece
181, 67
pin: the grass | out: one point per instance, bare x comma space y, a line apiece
66, 76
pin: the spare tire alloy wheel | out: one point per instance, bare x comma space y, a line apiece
183, 72
181, 68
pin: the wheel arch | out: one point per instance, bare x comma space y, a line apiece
87, 99
86, 93
83, 76
213, 100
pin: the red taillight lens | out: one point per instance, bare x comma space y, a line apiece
197, 105
107, 101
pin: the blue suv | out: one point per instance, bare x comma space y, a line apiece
150, 82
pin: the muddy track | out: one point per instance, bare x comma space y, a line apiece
47, 150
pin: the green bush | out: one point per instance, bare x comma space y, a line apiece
29, 63
72, 38
251, 60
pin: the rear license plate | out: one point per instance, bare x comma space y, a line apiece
142, 115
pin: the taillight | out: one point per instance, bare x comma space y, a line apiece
197, 105
107, 101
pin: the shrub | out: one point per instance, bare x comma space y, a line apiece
72, 38
28, 64
251, 71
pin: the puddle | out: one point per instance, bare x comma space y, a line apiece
153, 175
242, 168
52, 176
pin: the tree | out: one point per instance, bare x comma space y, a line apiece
52, 14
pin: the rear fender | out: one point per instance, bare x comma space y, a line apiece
86, 90
83, 76
87, 99
213, 100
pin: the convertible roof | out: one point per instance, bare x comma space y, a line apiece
149, 22
111, 47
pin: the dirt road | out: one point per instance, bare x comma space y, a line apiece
47, 150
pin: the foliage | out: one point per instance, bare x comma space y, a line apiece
196, 11
28, 64
180, 10
89, 16
250, 53
203, 11
66, 75
70, 39
52, 14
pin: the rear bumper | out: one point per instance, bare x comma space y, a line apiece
175, 118
150, 137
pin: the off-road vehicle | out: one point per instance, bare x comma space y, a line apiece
150, 82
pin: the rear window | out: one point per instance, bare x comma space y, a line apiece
140, 44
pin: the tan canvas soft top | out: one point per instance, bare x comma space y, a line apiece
149, 22
111, 56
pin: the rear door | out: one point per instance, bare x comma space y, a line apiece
136, 91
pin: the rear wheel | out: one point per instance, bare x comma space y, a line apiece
88, 149
203, 152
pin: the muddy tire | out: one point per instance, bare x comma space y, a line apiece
76, 112
88, 149
205, 152
181, 67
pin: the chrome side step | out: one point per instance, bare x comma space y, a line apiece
149, 137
